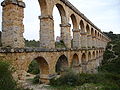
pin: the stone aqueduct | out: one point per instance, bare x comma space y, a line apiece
85, 54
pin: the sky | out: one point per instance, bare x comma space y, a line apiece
105, 14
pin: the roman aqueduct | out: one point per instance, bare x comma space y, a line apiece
85, 55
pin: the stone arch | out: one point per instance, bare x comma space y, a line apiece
43, 7
98, 35
44, 66
75, 60
92, 32
95, 33
89, 55
88, 29
75, 63
97, 54
83, 62
93, 55
83, 58
82, 26
62, 13
61, 64
74, 21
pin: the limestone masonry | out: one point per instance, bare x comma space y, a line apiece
83, 55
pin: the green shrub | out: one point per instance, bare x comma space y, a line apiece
6, 80
109, 81
60, 44
36, 79
33, 68
69, 78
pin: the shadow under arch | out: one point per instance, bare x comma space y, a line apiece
83, 63
89, 56
97, 54
74, 21
75, 60
93, 55
75, 63
88, 29
43, 65
83, 58
61, 65
82, 26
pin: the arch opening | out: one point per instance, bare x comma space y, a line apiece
39, 69
89, 56
73, 23
61, 65
93, 55
43, 65
92, 32
97, 54
59, 16
75, 63
88, 29
82, 26
31, 23
83, 58
83, 62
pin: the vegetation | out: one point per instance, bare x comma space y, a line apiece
6, 80
31, 43
104, 81
33, 68
108, 77
60, 44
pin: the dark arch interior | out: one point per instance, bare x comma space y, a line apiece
92, 32
44, 68
82, 25
89, 56
83, 59
88, 29
93, 55
75, 60
74, 21
61, 64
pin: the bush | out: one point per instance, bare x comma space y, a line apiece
36, 79
33, 68
109, 81
6, 80
69, 78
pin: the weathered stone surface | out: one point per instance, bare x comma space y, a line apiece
12, 25
88, 41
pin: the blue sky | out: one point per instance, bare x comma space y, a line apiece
105, 14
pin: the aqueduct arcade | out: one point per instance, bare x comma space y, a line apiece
84, 54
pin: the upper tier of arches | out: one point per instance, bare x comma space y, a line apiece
67, 11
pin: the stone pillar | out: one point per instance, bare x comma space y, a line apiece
65, 34
12, 23
47, 32
84, 40
76, 38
